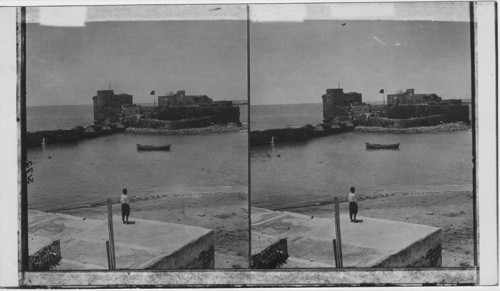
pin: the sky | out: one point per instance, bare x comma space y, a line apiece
295, 62
297, 51
67, 65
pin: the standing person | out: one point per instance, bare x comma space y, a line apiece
353, 204
125, 206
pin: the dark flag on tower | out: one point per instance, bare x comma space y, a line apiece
381, 91
152, 92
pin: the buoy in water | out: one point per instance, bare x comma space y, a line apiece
44, 141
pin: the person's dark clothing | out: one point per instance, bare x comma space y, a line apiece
353, 209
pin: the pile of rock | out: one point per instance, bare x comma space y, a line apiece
446, 127
230, 127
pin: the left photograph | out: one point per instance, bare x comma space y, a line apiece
137, 143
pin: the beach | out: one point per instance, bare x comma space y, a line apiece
225, 212
452, 211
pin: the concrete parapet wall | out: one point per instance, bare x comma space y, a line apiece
423, 253
371, 243
144, 244
198, 254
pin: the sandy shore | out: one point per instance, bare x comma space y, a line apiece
224, 212
447, 127
451, 211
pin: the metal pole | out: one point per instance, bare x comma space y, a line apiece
111, 235
337, 231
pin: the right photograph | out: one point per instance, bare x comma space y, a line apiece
361, 135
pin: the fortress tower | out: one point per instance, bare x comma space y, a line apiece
336, 104
108, 106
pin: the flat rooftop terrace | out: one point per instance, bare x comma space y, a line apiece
145, 244
371, 243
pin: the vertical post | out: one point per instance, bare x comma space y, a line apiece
111, 235
108, 255
335, 254
337, 231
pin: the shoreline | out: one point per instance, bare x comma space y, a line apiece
376, 195
446, 127
452, 211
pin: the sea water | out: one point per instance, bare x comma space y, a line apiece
89, 171
314, 171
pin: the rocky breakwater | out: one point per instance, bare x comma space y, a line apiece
446, 127
294, 134
212, 129
39, 138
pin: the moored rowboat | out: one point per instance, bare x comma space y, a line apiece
153, 148
382, 146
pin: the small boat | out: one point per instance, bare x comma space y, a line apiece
377, 146
153, 148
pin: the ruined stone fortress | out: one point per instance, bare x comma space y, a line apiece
337, 104
409, 97
186, 110
114, 112
403, 109
108, 106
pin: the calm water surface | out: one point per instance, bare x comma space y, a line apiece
319, 169
283, 115
90, 171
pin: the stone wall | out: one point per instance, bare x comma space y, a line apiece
107, 105
336, 104
34, 139
54, 136
280, 135
174, 124
272, 256
455, 112
46, 256
294, 134
225, 114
